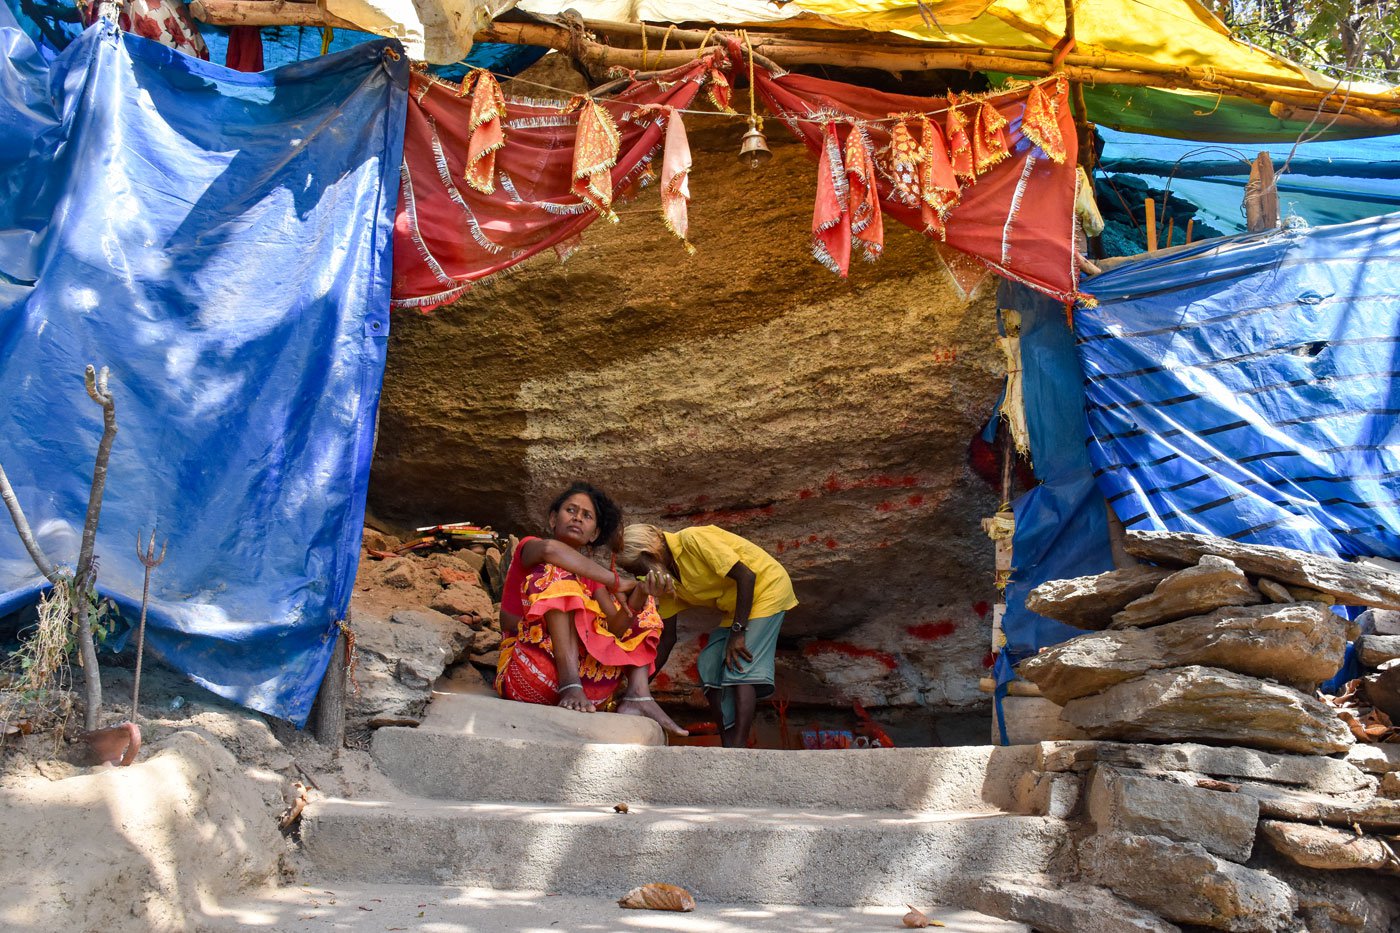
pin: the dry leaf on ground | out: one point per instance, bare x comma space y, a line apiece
658, 897
917, 920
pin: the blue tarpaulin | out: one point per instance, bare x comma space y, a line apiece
222, 242
1248, 388
1245, 387
1061, 524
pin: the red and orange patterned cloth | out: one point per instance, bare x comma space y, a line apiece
165, 21
526, 670
488, 182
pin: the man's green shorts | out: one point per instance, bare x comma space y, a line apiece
761, 640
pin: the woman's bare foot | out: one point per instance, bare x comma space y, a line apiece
571, 696
646, 706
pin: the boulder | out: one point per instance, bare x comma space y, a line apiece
462, 560
1390, 786
1374, 759
1067, 908
1348, 584
398, 660
1332, 902
464, 599
1313, 772
1299, 806
1212, 705
1380, 621
1374, 650
1324, 846
1273, 591
1301, 644
1383, 690
401, 573
1090, 602
1128, 802
1185, 883
1210, 585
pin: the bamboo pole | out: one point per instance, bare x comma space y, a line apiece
1093, 67
1171, 228
1151, 209
1190, 229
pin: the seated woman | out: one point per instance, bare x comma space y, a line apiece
575, 644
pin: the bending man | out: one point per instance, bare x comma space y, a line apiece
716, 569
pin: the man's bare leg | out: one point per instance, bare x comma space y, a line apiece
745, 703
638, 701
715, 696
561, 632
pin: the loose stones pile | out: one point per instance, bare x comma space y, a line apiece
1247, 817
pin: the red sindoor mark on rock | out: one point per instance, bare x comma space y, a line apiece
815, 648
932, 631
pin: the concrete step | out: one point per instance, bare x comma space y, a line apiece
379, 907
468, 708
428, 762
781, 856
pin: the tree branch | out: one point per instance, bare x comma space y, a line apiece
36, 553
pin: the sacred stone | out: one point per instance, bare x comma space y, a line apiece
1301, 644
1210, 705
1213, 583
1348, 584
1090, 602
1323, 846
1222, 823
1185, 883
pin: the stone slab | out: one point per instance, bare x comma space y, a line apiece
1032, 719
1208, 704
1068, 908
1324, 847
1375, 759
478, 714
1349, 584
1312, 772
823, 858
374, 908
1129, 802
1090, 602
1300, 644
1210, 585
1374, 650
1364, 810
1185, 883
1332, 902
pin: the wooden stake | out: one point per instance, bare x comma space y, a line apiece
328, 715
1190, 228
1151, 206
1171, 224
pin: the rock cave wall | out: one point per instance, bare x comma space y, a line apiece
744, 386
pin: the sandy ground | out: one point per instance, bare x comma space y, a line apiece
312, 909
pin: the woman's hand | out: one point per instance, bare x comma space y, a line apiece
735, 650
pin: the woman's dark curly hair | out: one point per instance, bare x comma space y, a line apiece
608, 512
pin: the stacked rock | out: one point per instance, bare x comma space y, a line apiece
1222, 642
1206, 794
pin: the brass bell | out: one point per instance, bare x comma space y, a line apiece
753, 151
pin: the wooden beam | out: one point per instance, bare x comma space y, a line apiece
265, 13
1150, 211
1360, 107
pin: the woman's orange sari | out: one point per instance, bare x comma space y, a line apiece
526, 669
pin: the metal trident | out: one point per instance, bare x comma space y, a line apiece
147, 555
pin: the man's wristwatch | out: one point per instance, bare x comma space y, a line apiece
737, 628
